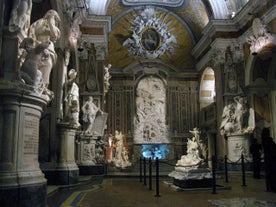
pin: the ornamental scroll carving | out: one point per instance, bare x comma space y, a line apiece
151, 37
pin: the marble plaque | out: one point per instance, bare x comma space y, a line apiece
31, 133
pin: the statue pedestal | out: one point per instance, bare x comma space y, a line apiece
197, 178
22, 183
238, 144
67, 171
86, 155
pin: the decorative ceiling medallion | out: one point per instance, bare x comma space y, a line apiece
150, 39
150, 35
169, 3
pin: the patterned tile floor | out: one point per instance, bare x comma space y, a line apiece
123, 191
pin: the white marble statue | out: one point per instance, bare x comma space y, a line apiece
20, 16
107, 77
191, 166
45, 30
120, 159
237, 117
194, 149
90, 111
72, 99
29, 72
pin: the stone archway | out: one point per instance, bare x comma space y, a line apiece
207, 88
260, 77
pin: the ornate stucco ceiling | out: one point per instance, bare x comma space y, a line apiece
184, 22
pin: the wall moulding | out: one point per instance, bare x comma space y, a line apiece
168, 3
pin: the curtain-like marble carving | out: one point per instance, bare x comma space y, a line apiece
150, 121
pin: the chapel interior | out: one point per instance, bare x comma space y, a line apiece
91, 87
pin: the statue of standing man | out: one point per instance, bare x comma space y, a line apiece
90, 111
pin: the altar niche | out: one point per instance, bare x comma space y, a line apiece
150, 118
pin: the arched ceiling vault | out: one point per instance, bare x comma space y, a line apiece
186, 20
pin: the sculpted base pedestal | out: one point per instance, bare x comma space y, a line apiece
238, 144
22, 183
86, 156
197, 178
67, 171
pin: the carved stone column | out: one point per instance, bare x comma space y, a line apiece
67, 171
22, 183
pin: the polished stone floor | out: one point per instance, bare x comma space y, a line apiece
128, 191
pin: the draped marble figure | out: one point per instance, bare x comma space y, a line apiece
237, 117
45, 30
72, 99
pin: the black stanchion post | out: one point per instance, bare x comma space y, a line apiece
226, 169
243, 170
140, 166
150, 174
157, 178
145, 171
214, 165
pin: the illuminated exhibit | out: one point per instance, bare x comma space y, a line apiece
154, 151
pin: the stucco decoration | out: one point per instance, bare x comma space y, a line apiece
169, 3
20, 16
260, 38
151, 37
118, 54
150, 120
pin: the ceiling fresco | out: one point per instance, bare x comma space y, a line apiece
184, 24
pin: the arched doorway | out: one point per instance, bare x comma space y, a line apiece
262, 90
207, 93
